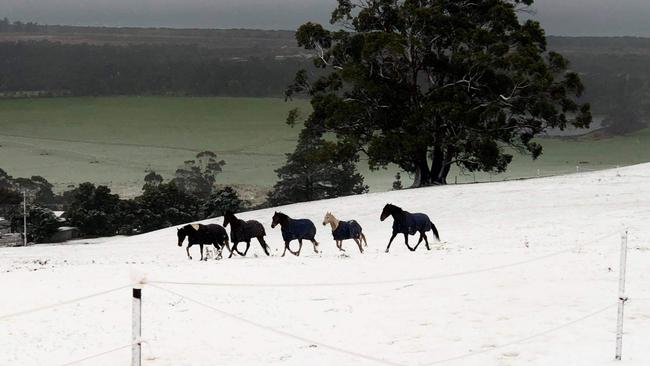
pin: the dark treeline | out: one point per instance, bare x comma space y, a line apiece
98, 61
46, 68
17, 26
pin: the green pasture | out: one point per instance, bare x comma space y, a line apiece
116, 140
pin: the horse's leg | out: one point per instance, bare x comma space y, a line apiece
419, 241
265, 246
227, 245
406, 241
316, 246
219, 249
339, 244
240, 253
364, 240
426, 240
233, 249
248, 246
297, 254
391, 241
286, 246
201, 247
358, 241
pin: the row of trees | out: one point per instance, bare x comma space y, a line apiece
85, 70
17, 26
191, 195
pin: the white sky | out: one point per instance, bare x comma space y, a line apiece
559, 17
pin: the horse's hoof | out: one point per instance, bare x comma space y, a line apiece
386, 251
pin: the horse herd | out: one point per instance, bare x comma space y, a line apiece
300, 229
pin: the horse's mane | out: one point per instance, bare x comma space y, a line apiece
282, 215
393, 207
190, 228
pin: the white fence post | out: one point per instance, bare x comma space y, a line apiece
136, 347
621, 297
24, 218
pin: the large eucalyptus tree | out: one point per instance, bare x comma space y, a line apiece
426, 84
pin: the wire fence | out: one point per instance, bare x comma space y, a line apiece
63, 303
100, 354
157, 284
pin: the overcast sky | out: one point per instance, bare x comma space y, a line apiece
559, 17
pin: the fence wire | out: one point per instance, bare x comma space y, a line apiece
381, 360
96, 355
281, 332
62, 303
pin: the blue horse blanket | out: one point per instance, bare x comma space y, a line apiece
347, 230
299, 229
412, 223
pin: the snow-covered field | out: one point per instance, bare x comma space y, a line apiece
526, 274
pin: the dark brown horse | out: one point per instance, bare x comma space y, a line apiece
241, 230
204, 234
295, 229
408, 224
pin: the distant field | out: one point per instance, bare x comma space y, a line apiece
116, 140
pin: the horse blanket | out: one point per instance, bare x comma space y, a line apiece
299, 229
207, 234
412, 223
246, 230
347, 230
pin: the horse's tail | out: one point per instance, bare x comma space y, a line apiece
435, 231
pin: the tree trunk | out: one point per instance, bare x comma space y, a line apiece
422, 172
439, 166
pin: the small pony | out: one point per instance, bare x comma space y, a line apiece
241, 230
204, 234
344, 230
295, 229
408, 224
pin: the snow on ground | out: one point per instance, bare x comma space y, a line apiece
459, 298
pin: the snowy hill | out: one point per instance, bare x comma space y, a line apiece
526, 273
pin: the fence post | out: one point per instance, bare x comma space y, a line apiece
621, 297
136, 347
24, 218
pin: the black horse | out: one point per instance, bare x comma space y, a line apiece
408, 224
204, 234
295, 229
241, 230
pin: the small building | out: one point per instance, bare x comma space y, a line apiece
65, 233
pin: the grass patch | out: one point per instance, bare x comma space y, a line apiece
115, 140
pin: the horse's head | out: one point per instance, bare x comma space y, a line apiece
327, 219
278, 217
387, 211
181, 233
228, 218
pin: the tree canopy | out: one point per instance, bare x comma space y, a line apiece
426, 84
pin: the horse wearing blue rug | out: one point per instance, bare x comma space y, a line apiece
344, 230
241, 230
204, 234
408, 224
295, 229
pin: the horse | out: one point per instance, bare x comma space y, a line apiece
344, 230
295, 229
241, 230
408, 224
204, 234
